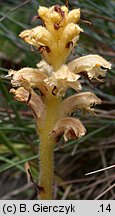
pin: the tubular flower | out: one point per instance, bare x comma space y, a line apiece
63, 79
30, 78
93, 65
70, 127
52, 78
82, 101
35, 103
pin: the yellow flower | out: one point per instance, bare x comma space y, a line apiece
56, 40
35, 103
82, 101
29, 78
67, 76
63, 79
70, 128
73, 16
93, 65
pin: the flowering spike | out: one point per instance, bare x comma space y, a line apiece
55, 40
59, 31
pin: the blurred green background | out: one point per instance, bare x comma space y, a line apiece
18, 139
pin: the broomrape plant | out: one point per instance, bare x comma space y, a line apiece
55, 41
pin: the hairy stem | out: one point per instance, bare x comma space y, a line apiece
46, 149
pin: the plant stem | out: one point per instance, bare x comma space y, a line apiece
46, 149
